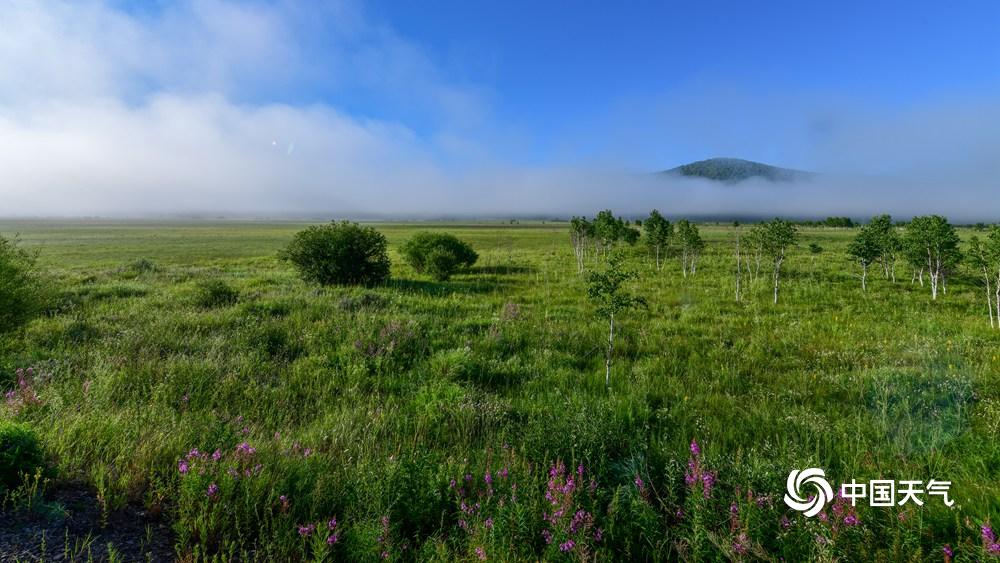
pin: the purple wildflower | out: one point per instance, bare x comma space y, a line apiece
306, 531
568, 545
695, 449
332, 539
213, 491
850, 520
988, 535
547, 536
182, 466
740, 544
481, 553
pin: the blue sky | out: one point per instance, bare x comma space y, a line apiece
298, 105
545, 73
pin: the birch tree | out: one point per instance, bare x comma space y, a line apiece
934, 240
888, 243
739, 267
690, 246
778, 236
610, 230
865, 249
607, 290
984, 257
581, 232
657, 233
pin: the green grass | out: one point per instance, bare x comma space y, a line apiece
396, 390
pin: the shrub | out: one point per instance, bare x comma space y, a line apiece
438, 254
20, 453
215, 293
339, 253
21, 293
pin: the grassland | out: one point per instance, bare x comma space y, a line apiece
364, 404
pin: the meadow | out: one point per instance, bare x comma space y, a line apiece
262, 418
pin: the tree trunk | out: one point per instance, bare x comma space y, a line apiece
989, 303
611, 346
738, 271
996, 297
777, 276
864, 276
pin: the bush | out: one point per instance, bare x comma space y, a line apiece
20, 453
215, 293
21, 293
438, 254
339, 253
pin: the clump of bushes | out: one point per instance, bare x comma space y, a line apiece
22, 296
440, 255
342, 253
20, 454
143, 266
214, 293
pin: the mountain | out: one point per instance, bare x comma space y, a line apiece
734, 170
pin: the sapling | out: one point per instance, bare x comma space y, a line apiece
777, 236
984, 257
691, 244
610, 230
606, 289
580, 234
931, 242
888, 243
658, 233
865, 249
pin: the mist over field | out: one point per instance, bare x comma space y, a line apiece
219, 108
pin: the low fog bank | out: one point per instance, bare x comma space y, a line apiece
269, 193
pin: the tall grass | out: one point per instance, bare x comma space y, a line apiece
364, 405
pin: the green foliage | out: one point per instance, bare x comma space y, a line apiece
932, 240
439, 255
777, 236
866, 247
658, 233
342, 253
214, 293
610, 231
22, 295
838, 222
607, 288
20, 453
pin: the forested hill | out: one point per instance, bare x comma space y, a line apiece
733, 170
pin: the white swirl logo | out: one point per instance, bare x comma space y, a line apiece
812, 505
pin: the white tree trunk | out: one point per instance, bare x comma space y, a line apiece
989, 300
738, 271
777, 276
611, 347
